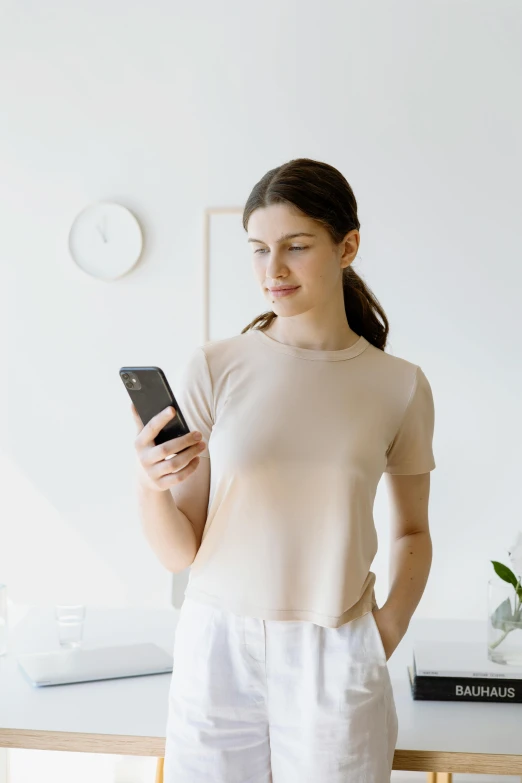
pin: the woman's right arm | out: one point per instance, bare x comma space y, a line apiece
168, 530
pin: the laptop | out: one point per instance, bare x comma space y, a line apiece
100, 663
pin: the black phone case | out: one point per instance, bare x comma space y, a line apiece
153, 396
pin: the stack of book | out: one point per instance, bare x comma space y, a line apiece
461, 671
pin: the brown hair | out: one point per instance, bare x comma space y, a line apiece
322, 193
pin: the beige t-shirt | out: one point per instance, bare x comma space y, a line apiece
298, 440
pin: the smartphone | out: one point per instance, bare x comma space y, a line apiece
150, 392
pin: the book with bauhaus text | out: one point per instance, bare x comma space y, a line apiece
461, 671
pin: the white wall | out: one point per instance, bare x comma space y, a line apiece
175, 107
172, 107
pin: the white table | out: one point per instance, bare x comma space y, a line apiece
128, 716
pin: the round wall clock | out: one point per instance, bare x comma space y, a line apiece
105, 240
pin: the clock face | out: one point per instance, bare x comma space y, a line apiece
105, 240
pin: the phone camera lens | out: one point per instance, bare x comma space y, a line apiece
125, 375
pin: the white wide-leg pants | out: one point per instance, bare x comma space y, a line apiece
276, 701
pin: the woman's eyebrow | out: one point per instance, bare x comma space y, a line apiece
286, 236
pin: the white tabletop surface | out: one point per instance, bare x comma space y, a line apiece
137, 706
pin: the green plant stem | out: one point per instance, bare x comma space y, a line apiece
496, 644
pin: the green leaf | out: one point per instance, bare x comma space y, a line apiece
502, 617
505, 573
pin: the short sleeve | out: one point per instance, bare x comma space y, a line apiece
195, 396
411, 451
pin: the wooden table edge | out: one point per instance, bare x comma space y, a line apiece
130, 745
445, 761
78, 742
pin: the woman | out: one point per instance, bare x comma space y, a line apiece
280, 656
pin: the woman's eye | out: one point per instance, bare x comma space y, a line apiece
294, 247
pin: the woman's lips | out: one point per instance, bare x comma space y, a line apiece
283, 291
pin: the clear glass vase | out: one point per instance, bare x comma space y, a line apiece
504, 623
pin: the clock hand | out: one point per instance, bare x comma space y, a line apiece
102, 235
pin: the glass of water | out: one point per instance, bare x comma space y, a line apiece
3, 619
70, 624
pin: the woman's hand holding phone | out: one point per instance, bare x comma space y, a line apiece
156, 472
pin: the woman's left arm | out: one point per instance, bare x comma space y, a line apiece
410, 555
